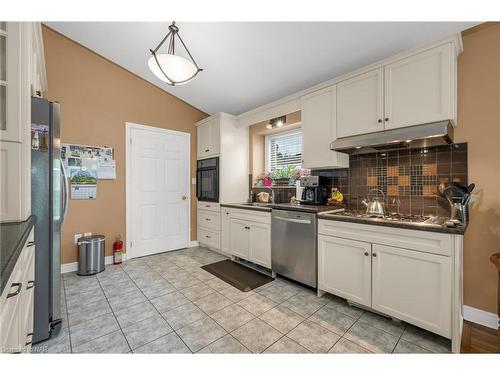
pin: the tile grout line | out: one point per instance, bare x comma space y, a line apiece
166, 321
67, 315
113, 312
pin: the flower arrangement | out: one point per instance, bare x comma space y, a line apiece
265, 179
286, 175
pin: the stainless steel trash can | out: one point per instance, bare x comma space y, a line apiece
91, 254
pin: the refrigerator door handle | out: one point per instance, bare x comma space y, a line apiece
65, 195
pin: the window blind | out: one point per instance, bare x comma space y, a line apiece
285, 149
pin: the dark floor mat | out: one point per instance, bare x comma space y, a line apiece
241, 277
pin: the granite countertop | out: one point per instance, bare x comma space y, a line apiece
268, 207
248, 206
319, 209
460, 229
13, 236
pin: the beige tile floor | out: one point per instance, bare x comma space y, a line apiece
166, 303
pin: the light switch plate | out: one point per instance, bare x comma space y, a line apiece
77, 236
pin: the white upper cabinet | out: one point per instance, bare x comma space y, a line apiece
209, 138
412, 90
418, 89
319, 129
18, 61
360, 104
11, 81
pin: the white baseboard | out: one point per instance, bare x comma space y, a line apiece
194, 244
72, 267
484, 318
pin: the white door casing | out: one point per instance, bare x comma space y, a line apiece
158, 187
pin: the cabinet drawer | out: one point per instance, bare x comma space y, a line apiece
209, 206
427, 242
251, 215
209, 238
209, 220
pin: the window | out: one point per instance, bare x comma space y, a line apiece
284, 149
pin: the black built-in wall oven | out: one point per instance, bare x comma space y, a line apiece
207, 180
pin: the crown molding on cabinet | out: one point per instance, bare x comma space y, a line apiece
292, 103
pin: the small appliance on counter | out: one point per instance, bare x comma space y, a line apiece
314, 192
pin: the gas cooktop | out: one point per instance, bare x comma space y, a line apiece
390, 217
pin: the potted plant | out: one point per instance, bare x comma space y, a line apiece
281, 176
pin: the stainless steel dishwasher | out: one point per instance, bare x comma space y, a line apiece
294, 245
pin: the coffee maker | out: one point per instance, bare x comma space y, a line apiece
314, 192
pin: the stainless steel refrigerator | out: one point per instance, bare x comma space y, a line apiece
48, 205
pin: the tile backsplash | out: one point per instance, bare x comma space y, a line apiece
409, 178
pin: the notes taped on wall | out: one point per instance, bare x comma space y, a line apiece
73, 155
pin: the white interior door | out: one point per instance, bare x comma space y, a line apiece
158, 183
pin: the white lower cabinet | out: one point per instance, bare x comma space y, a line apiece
260, 244
16, 303
413, 286
240, 238
209, 225
225, 219
421, 287
250, 236
344, 268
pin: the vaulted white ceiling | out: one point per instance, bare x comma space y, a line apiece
247, 64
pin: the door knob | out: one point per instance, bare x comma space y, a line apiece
184, 197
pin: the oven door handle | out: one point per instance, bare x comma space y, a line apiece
290, 220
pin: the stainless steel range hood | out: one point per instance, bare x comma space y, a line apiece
426, 135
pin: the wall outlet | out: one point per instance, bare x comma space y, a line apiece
87, 234
77, 236
193, 180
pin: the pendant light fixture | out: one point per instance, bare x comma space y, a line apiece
171, 68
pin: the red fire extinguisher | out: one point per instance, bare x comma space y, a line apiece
117, 250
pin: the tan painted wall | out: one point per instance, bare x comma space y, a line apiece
479, 126
97, 97
256, 138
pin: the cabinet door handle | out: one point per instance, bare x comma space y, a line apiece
374, 255
207, 150
207, 219
208, 237
30, 341
379, 121
247, 227
30, 285
30, 244
386, 119
19, 287
366, 253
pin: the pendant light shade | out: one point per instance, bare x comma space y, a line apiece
170, 68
